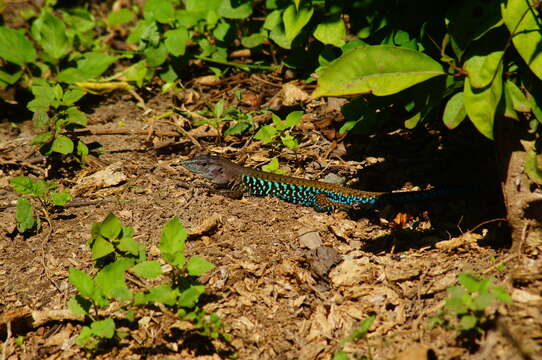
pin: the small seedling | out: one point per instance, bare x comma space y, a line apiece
360, 333
273, 167
43, 192
280, 129
466, 308
116, 252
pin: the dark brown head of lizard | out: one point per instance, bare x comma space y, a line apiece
218, 170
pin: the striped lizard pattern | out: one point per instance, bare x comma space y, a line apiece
320, 195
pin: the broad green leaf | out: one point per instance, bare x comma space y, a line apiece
103, 328
62, 144
331, 32
483, 69
86, 339
82, 282
243, 11
172, 242
189, 297
111, 227
60, 198
120, 17
289, 141
341, 355
159, 10
467, 322
129, 245
509, 110
273, 167
148, 269
266, 134
82, 150
72, 96
78, 305
22, 184
456, 305
156, 56
502, 295
15, 47
253, 40
41, 138
101, 248
79, 19
524, 26
532, 166
380, 70
519, 100
136, 72
203, 6
295, 19
50, 32
162, 294
293, 118
454, 112
111, 281
483, 300
24, 214
469, 282
10, 78
273, 20
197, 266
176, 40
481, 105
221, 31
238, 128
90, 66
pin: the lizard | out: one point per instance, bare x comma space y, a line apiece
322, 196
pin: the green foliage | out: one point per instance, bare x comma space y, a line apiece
41, 191
116, 252
280, 129
468, 305
360, 333
273, 167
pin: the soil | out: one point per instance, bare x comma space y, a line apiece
289, 282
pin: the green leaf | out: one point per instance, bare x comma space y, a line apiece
172, 242
75, 116
481, 105
273, 167
82, 150
51, 33
176, 40
111, 281
509, 111
340, 355
331, 32
237, 129
136, 72
22, 184
120, 17
86, 339
456, 305
519, 100
101, 248
72, 96
266, 134
82, 282
380, 70
253, 40
24, 214
148, 269
483, 69
15, 47
483, 300
189, 297
156, 56
532, 167
159, 10
62, 144
129, 245
198, 266
10, 78
79, 306
60, 198
469, 282
295, 19
502, 295
41, 138
524, 26
468, 322
162, 294
289, 141
293, 118
243, 11
90, 66
103, 328
111, 226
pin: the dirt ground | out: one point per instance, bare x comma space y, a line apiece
289, 282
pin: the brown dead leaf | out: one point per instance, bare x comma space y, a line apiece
293, 95
352, 272
108, 177
414, 352
468, 238
208, 80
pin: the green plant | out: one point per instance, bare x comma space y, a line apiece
43, 192
280, 128
273, 167
360, 333
116, 252
467, 307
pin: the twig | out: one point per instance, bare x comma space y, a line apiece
485, 223
87, 131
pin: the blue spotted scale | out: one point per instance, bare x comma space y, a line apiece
320, 195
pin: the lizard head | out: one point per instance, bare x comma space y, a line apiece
210, 167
